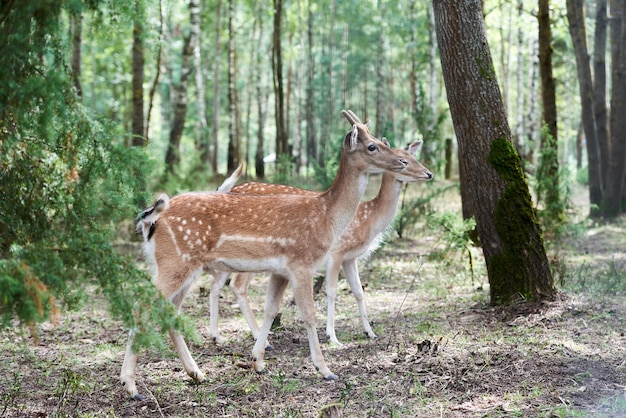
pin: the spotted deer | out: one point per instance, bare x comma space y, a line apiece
285, 235
359, 239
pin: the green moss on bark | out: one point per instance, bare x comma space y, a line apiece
516, 224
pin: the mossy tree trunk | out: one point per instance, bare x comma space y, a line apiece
505, 218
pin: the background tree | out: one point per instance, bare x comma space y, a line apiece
234, 139
599, 96
138, 63
548, 172
613, 201
76, 27
216, 87
201, 134
505, 219
180, 89
282, 142
575, 16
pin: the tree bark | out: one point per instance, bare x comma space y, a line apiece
547, 173
521, 87
381, 82
155, 83
576, 18
138, 64
311, 137
254, 50
172, 158
262, 94
617, 160
506, 222
216, 87
599, 88
234, 138
201, 139
533, 112
282, 146
76, 22
413, 73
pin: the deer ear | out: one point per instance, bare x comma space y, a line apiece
413, 147
354, 137
384, 141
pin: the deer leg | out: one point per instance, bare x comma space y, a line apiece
332, 277
303, 293
275, 291
127, 375
189, 363
217, 283
239, 285
351, 270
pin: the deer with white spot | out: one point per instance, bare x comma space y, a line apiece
359, 239
286, 235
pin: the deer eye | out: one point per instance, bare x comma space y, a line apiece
372, 147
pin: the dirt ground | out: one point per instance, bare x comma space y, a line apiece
442, 350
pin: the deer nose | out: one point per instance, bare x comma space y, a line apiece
429, 175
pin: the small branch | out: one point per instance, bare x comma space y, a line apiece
155, 401
395, 320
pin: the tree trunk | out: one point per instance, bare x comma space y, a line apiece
155, 83
533, 113
548, 171
311, 139
576, 18
580, 139
201, 139
615, 178
381, 82
76, 22
413, 73
599, 88
234, 138
172, 158
507, 226
138, 64
521, 87
216, 87
329, 93
262, 94
262, 116
254, 50
282, 146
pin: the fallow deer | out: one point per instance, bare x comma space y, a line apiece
359, 239
286, 235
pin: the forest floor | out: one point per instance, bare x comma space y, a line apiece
442, 350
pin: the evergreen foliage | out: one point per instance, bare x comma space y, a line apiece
552, 191
66, 182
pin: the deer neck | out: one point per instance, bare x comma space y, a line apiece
385, 204
343, 197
